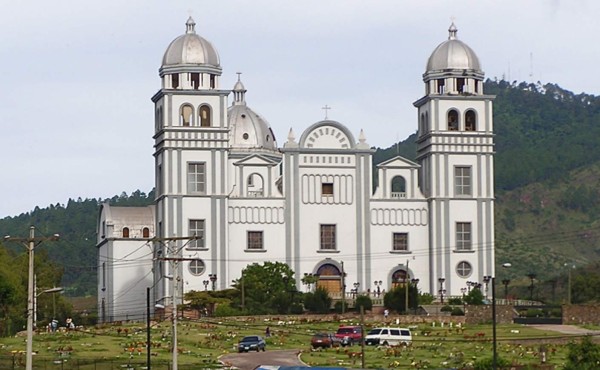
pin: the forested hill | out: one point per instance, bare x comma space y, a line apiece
542, 133
75, 251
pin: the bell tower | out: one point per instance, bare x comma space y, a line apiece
191, 141
455, 148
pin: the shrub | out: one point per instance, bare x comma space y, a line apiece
364, 301
446, 308
487, 363
225, 309
457, 311
455, 301
584, 355
317, 302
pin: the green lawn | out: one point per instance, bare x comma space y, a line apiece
201, 343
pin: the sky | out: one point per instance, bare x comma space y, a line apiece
77, 76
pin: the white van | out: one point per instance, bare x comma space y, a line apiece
388, 336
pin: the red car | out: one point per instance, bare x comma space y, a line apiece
349, 334
324, 340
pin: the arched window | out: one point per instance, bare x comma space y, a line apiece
186, 113
145, 232
175, 80
398, 187
422, 124
470, 121
255, 186
126, 232
204, 115
452, 120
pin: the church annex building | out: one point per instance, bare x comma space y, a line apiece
227, 195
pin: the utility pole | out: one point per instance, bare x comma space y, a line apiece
173, 257
343, 288
30, 243
148, 337
406, 281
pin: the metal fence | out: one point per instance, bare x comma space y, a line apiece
17, 362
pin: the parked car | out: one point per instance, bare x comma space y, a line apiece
349, 334
252, 343
325, 340
388, 336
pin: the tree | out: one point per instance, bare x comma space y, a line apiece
584, 355
318, 302
364, 301
395, 299
268, 288
475, 297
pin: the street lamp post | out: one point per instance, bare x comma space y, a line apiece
463, 291
505, 282
571, 267
442, 291
205, 282
531, 277
213, 279
52, 291
355, 290
378, 286
486, 281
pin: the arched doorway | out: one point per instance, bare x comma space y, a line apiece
399, 278
330, 278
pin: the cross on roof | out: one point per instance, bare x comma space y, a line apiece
326, 108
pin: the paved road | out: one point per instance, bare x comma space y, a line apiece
566, 329
250, 360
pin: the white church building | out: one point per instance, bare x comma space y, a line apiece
227, 195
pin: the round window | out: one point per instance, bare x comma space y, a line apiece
464, 269
197, 267
245, 136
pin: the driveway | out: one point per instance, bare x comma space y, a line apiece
566, 329
250, 360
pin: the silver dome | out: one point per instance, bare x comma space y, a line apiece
190, 48
453, 54
248, 130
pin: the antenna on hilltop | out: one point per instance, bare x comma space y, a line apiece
531, 66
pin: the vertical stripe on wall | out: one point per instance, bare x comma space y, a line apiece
358, 219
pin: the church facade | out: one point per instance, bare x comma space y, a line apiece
227, 195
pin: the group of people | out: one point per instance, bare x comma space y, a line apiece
53, 325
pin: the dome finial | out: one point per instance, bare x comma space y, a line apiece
362, 140
190, 25
452, 30
239, 91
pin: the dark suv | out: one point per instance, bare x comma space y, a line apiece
349, 334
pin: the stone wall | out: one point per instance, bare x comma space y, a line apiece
581, 314
482, 314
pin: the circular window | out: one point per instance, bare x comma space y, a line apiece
243, 116
197, 267
245, 136
464, 269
